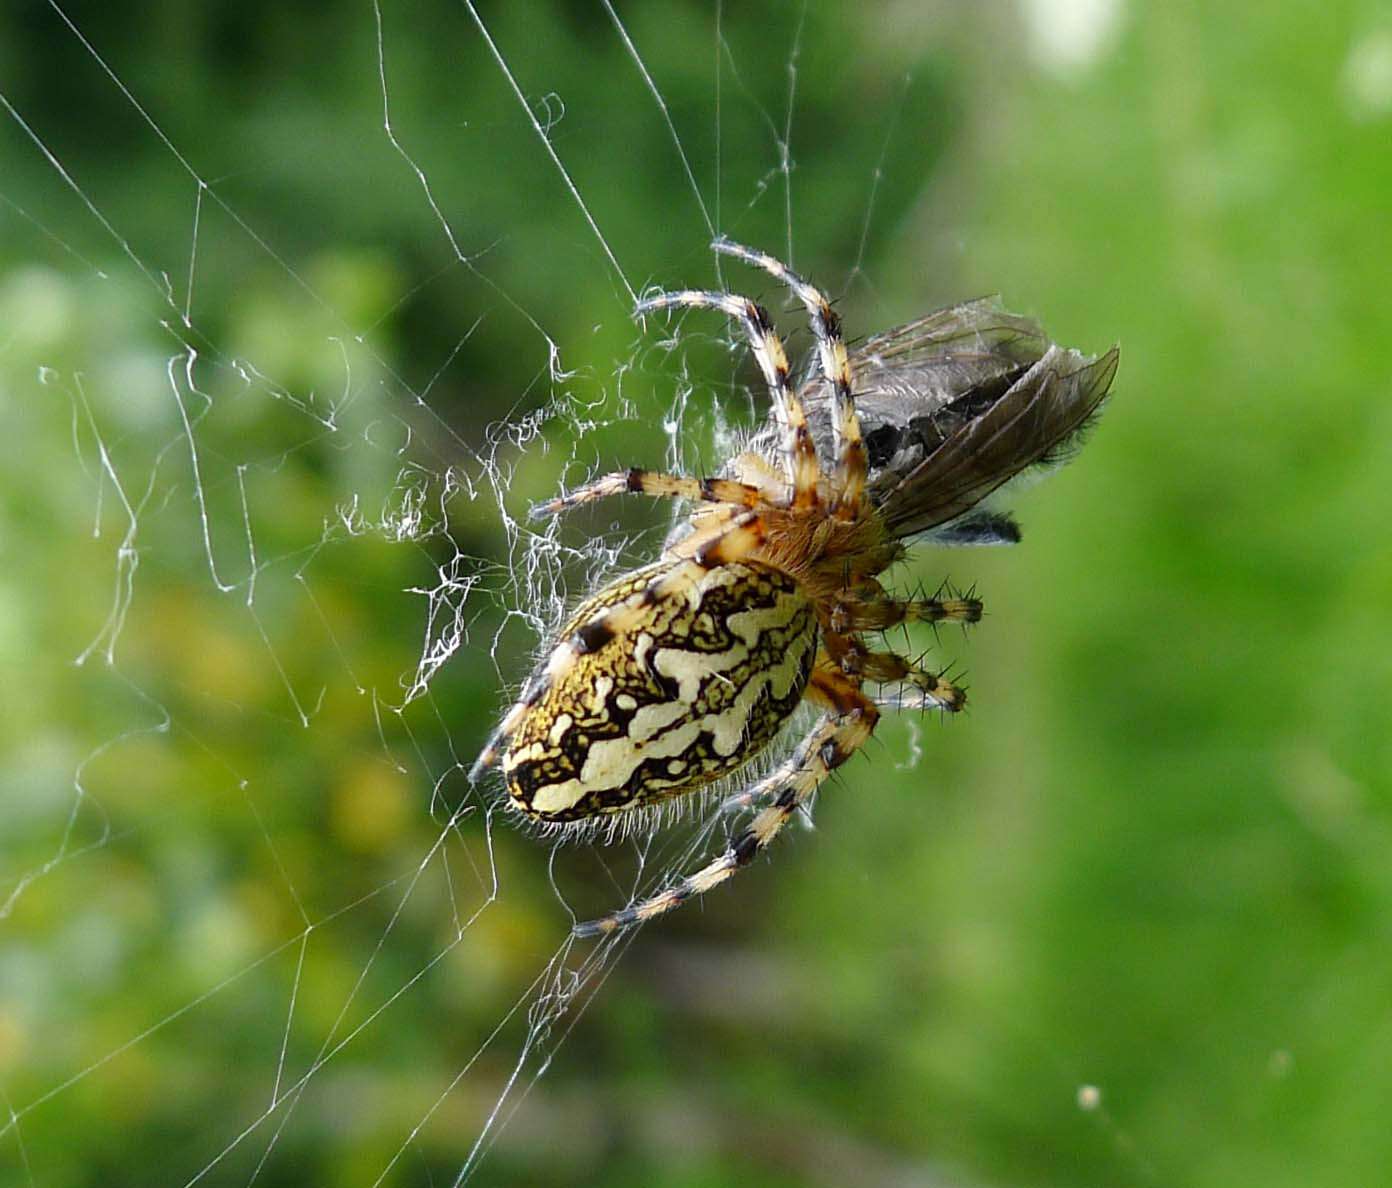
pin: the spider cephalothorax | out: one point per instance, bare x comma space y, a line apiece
680, 673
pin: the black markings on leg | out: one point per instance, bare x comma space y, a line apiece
738, 540
745, 847
606, 924
758, 317
826, 322
833, 755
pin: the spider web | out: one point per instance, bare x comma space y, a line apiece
276, 542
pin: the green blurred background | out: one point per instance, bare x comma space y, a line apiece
1126, 922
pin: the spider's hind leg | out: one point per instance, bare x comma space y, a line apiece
836, 737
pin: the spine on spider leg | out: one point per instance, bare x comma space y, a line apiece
852, 614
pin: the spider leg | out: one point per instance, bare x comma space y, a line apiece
834, 739
879, 614
651, 482
851, 458
758, 471
933, 690
799, 449
728, 538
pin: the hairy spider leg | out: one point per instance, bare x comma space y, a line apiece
804, 471
852, 462
860, 663
721, 543
853, 614
834, 739
637, 481
848, 655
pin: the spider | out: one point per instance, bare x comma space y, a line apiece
682, 672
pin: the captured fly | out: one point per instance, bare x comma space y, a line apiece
953, 406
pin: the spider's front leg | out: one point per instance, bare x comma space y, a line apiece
852, 462
637, 481
842, 731
799, 450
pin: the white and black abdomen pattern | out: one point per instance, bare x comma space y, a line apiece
688, 686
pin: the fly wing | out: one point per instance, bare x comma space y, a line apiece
915, 382
1030, 424
929, 362
951, 406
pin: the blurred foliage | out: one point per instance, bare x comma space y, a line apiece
1153, 859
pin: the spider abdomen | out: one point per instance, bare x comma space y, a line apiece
664, 681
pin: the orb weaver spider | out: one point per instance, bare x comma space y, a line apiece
682, 672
